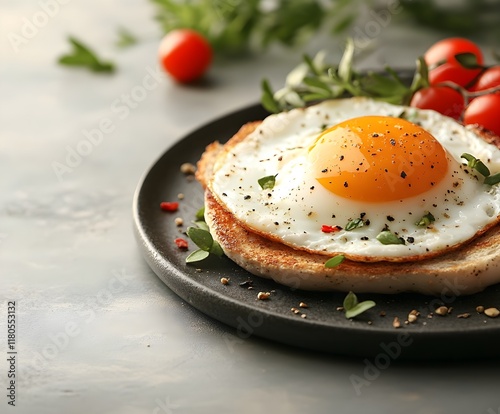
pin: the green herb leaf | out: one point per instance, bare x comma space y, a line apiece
476, 164
426, 220
202, 238
125, 38
492, 179
197, 256
334, 261
345, 66
200, 214
354, 224
468, 60
354, 308
388, 237
359, 309
267, 99
267, 182
84, 57
202, 225
216, 249
350, 301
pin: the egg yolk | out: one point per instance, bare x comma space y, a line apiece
377, 159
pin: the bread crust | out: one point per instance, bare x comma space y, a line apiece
465, 270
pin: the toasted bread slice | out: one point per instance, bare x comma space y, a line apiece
466, 270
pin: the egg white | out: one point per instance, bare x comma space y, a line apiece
294, 211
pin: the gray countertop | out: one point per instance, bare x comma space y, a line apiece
97, 331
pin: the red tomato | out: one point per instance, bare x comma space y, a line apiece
449, 72
442, 99
443, 54
446, 49
484, 111
185, 54
489, 79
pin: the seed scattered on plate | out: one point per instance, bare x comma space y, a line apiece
396, 323
382, 313
340, 308
303, 305
188, 168
303, 316
179, 221
224, 281
492, 312
441, 311
180, 196
463, 316
479, 309
263, 295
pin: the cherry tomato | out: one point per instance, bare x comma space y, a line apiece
449, 69
446, 49
185, 54
489, 79
484, 111
442, 99
449, 72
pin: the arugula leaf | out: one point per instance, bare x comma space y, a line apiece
353, 307
84, 57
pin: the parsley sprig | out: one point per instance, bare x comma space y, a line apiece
83, 56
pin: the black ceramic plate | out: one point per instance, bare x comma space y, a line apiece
324, 328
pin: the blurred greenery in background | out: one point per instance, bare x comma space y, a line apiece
239, 26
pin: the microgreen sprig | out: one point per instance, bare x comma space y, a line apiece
481, 168
353, 307
201, 236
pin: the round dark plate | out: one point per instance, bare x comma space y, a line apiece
324, 328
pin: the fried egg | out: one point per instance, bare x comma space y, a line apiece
369, 180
